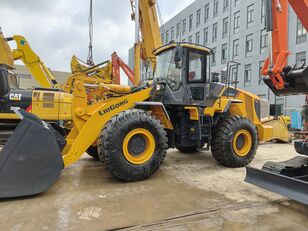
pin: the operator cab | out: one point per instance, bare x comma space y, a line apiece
182, 75
11, 96
8, 80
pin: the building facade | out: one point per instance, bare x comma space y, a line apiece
234, 29
26, 80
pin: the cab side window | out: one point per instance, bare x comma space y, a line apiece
195, 67
173, 74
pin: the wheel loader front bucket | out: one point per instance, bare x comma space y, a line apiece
30, 161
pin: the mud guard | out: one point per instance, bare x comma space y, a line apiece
31, 161
288, 178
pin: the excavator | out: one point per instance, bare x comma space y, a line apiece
132, 128
107, 71
288, 178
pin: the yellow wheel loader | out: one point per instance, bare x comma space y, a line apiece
181, 107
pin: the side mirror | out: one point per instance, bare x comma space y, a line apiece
178, 56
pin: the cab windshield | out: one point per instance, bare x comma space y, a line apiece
166, 69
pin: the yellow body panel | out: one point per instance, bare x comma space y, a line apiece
6, 57
49, 105
160, 114
243, 104
8, 116
193, 113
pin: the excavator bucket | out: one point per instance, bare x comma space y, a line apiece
296, 81
30, 161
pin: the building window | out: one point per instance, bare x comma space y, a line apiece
224, 27
205, 36
215, 8
163, 38
224, 53
279, 100
178, 28
190, 39
261, 82
247, 75
214, 50
250, 12
236, 2
226, 5
263, 41
234, 74
198, 37
263, 11
184, 26
198, 18
300, 33
206, 12
191, 17
301, 58
214, 34
172, 33
167, 36
236, 44
236, 22
249, 45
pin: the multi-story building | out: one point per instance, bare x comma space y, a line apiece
234, 29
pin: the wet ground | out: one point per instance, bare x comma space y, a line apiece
189, 192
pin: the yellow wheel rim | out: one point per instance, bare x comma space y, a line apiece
242, 142
138, 146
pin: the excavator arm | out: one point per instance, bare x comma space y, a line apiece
281, 77
33, 62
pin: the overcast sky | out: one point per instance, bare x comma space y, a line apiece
58, 29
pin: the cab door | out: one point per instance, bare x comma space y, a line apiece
195, 73
202, 91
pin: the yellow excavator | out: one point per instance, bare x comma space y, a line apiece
132, 128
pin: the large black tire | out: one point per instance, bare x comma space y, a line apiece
111, 145
224, 149
93, 152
